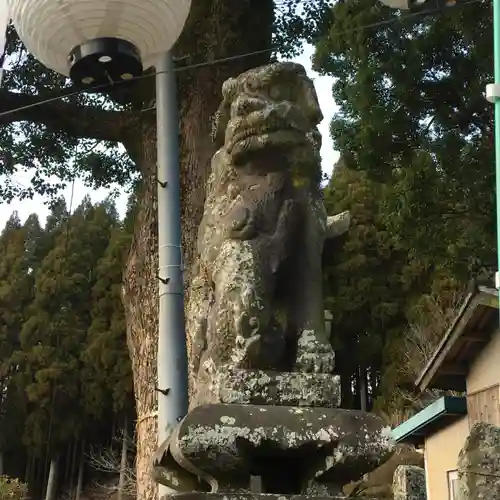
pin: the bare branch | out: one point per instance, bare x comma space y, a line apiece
427, 329
79, 121
431, 319
108, 460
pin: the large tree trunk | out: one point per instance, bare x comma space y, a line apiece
216, 29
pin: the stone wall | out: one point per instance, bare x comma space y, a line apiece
409, 483
479, 464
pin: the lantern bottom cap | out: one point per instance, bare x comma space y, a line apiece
104, 61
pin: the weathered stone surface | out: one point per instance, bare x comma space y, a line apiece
259, 349
379, 482
479, 464
285, 446
273, 388
316, 488
409, 483
255, 298
248, 496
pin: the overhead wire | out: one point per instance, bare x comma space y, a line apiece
185, 68
223, 60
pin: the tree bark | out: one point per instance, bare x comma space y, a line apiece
363, 389
215, 29
52, 480
79, 481
29, 468
123, 462
74, 454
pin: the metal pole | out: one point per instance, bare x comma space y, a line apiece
172, 358
4, 23
496, 58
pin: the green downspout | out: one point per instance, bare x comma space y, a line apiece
493, 95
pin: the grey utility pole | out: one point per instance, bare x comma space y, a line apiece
172, 357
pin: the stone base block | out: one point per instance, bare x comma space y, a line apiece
274, 388
409, 483
248, 496
286, 447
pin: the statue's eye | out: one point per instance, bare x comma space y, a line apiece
280, 93
252, 85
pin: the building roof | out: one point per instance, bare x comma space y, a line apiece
471, 330
430, 420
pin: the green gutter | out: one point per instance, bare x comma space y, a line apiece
417, 426
496, 59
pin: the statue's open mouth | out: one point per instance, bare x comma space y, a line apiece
288, 133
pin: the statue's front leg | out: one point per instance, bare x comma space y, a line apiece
314, 351
197, 311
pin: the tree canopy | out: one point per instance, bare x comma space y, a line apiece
65, 366
415, 136
410, 88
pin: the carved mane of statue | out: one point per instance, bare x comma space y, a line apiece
255, 299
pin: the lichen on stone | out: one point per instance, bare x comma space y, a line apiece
256, 288
409, 483
264, 397
479, 464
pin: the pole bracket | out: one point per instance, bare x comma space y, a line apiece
493, 92
165, 392
163, 184
165, 281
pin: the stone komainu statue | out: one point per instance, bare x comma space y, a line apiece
255, 299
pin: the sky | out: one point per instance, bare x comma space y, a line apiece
75, 196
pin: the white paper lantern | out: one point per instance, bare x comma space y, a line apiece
92, 39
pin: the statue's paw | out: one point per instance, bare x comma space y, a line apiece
242, 224
247, 351
314, 356
316, 362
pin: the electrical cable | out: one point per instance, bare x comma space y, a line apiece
185, 68
235, 57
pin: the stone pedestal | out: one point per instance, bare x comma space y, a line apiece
259, 387
294, 443
256, 304
479, 464
409, 483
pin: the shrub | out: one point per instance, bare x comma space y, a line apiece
12, 489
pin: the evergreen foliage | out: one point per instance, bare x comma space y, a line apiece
65, 372
384, 296
415, 136
16, 284
413, 115
108, 379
